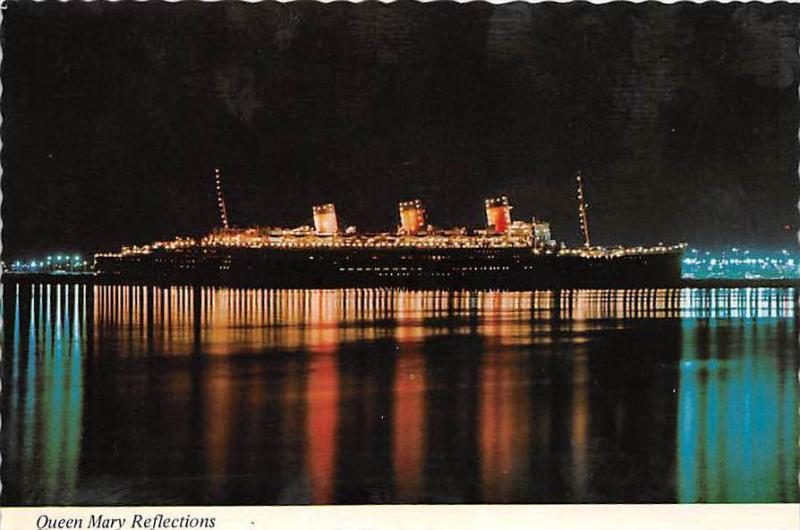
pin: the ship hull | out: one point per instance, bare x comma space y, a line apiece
490, 268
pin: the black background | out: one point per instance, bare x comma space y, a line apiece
683, 118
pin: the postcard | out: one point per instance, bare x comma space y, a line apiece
403, 265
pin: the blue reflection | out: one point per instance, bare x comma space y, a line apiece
51, 397
737, 403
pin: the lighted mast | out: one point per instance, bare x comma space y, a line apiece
223, 212
582, 213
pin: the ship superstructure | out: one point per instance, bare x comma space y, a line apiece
503, 253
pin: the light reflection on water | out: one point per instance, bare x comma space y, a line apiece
120, 394
737, 417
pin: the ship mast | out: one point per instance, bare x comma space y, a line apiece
223, 211
587, 242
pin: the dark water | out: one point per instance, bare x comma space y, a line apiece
138, 395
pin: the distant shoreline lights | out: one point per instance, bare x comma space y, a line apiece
51, 264
736, 264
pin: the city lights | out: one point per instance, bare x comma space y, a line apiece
61, 264
736, 263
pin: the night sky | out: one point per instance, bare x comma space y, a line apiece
682, 118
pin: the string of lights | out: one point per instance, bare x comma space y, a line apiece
223, 211
584, 221
306, 237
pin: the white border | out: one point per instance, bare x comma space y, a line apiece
462, 517
421, 517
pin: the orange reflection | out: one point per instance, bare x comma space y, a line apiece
217, 431
252, 320
322, 398
322, 319
504, 424
408, 427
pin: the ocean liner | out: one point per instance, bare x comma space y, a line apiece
505, 254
